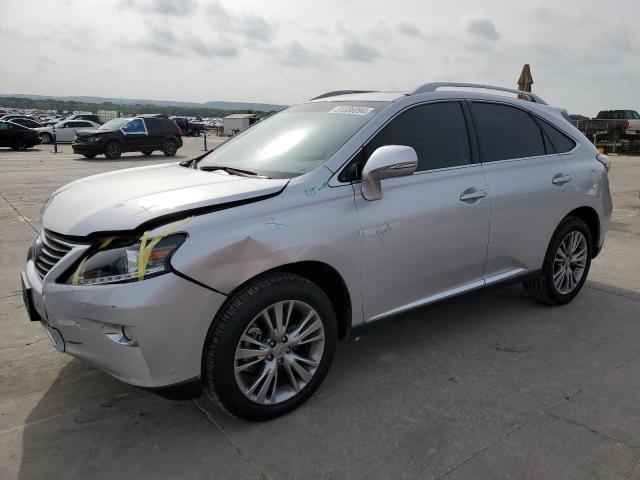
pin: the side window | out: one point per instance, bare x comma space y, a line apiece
73, 124
436, 131
506, 132
560, 141
154, 126
4, 126
83, 124
134, 126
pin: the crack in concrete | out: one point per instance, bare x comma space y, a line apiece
11, 296
484, 449
232, 444
568, 398
617, 294
22, 217
571, 421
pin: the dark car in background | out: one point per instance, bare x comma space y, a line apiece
17, 137
144, 134
11, 116
188, 127
26, 122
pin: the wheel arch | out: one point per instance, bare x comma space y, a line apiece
326, 278
589, 216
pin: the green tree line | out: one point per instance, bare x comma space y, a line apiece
63, 105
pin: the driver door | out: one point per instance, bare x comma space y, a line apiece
426, 238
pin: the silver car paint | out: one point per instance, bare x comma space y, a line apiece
393, 254
124, 199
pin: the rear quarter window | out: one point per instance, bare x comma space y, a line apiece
170, 127
561, 142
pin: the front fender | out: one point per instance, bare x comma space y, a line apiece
225, 249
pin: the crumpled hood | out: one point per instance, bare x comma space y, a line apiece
125, 199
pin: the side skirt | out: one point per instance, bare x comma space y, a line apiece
493, 282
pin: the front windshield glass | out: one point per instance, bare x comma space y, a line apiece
294, 141
114, 124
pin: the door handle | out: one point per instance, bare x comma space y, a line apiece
466, 197
561, 179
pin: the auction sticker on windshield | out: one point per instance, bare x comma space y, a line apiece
351, 110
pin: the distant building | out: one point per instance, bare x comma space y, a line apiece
236, 123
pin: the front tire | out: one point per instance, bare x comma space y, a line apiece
170, 148
112, 150
270, 347
566, 264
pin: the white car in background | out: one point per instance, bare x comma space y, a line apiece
65, 131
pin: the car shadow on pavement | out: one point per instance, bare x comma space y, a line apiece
415, 395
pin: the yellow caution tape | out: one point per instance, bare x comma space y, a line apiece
145, 250
76, 275
143, 255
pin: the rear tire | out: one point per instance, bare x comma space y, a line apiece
566, 264
46, 138
19, 144
259, 378
170, 148
112, 150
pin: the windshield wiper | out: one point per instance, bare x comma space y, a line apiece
233, 171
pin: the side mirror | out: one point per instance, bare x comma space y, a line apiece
389, 161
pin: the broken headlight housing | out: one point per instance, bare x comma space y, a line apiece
125, 260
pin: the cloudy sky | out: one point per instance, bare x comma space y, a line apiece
285, 51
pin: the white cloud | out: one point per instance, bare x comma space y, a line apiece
291, 50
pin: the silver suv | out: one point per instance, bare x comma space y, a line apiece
242, 268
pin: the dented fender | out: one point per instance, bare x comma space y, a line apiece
224, 249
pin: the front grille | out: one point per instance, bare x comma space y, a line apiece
48, 249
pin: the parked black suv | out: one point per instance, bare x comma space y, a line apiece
17, 137
140, 134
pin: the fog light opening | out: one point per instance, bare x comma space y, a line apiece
126, 333
119, 334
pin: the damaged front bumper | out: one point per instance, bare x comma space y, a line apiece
149, 333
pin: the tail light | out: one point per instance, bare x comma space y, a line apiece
604, 160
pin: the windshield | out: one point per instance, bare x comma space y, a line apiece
294, 141
114, 124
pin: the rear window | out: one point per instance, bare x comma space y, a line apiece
506, 132
561, 142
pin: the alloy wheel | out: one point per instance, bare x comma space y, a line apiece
570, 262
170, 148
279, 352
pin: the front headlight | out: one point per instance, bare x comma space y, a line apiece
126, 259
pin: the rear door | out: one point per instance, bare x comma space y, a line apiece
427, 237
156, 132
531, 187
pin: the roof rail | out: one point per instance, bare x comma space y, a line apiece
340, 92
432, 87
